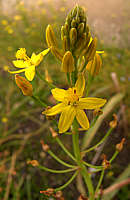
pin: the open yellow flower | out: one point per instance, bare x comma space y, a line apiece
28, 64
73, 105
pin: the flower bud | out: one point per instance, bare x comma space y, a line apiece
91, 50
47, 76
119, 146
73, 36
57, 53
54, 134
113, 123
80, 29
62, 32
68, 62
94, 65
65, 44
24, 85
50, 37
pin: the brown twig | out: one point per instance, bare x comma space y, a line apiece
116, 186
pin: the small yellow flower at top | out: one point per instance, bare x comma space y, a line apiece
4, 120
73, 105
28, 64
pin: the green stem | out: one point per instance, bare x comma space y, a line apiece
51, 85
36, 99
101, 141
56, 171
83, 169
114, 156
64, 149
90, 78
99, 182
92, 166
59, 160
68, 78
67, 183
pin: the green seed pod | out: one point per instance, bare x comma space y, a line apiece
80, 29
91, 50
57, 53
73, 36
68, 62
50, 37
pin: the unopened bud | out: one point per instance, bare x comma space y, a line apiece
34, 163
24, 85
54, 134
91, 50
68, 62
94, 65
73, 36
80, 29
65, 44
45, 147
50, 37
119, 146
113, 123
57, 53
62, 32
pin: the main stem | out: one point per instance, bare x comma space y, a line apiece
83, 169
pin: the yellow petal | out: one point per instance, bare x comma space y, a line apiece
66, 118
16, 72
54, 110
20, 63
82, 119
36, 59
59, 94
30, 72
91, 103
100, 52
45, 51
80, 85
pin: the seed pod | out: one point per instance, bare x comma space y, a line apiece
65, 44
50, 37
73, 36
80, 29
91, 50
68, 62
24, 85
98, 64
57, 53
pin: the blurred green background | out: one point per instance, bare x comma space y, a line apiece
22, 25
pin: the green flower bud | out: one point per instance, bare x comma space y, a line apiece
65, 44
91, 50
73, 36
57, 53
80, 29
50, 37
68, 62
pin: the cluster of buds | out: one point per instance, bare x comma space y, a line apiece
76, 41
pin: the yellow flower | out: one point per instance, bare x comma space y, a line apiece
28, 64
73, 105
